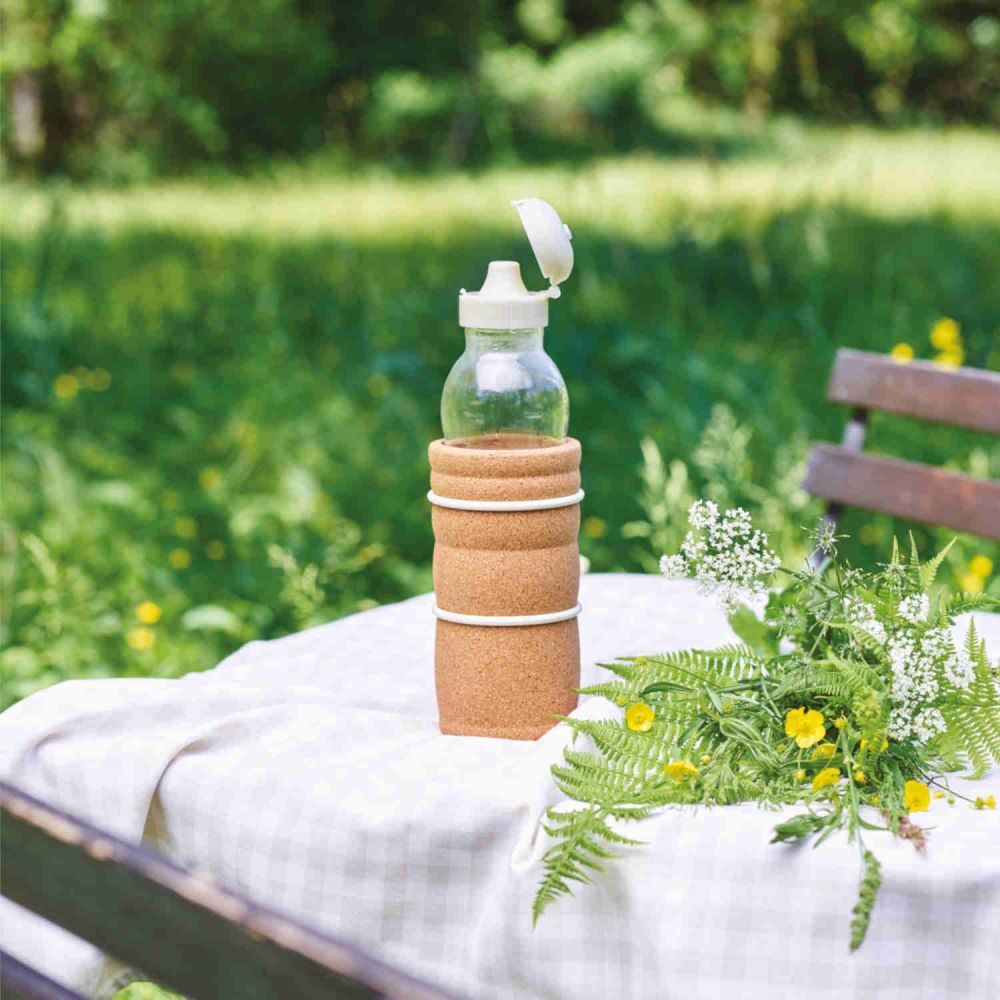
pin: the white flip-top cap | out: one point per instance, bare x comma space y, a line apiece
504, 303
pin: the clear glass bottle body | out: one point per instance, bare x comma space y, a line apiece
504, 392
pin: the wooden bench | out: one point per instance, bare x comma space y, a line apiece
961, 397
183, 929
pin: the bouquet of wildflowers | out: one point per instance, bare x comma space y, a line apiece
848, 696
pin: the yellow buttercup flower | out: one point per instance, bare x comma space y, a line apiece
66, 386
986, 803
148, 612
185, 527
141, 638
179, 558
639, 716
824, 751
902, 353
680, 769
971, 583
874, 800
828, 776
840, 721
210, 478
98, 380
981, 566
806, 725
800, 775
916, 797
951, 358
860, 777
945, 334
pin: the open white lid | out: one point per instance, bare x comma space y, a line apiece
504, 303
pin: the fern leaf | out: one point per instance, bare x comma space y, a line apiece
928, 571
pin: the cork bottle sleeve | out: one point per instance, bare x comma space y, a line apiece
498, 680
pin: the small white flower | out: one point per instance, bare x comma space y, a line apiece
673, 567
914, 608
730, 560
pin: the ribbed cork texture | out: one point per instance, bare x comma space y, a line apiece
506, 681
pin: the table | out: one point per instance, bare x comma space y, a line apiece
308, 773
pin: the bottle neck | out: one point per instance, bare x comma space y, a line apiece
515, 341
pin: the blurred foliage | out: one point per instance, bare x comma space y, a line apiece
216, 422
114, 89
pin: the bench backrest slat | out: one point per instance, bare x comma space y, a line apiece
961, 397
180, 927
905, 489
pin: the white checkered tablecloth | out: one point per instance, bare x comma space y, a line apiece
309, 773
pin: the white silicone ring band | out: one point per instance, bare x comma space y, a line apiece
508, 620
547, 503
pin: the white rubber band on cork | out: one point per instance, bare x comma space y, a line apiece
548, 618
546, 503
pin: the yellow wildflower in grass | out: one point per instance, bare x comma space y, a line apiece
840, 721
141, 638
639, 717
185, 527
824, 751
210, 478
939, 794
148, 612
828, 776
800, 775
179, 558
806, 725
883, 746
945, 334
916, 797
595, 527
215, 549
680, 769
98, 380
950, 359
971, 583
874, 800
66, 386
902, 353
986, 803
705, 758
981, 566
860, 777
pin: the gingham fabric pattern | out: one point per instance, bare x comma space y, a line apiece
308, 773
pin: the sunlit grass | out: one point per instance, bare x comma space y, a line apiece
635, 197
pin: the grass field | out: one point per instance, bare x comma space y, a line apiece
218, 394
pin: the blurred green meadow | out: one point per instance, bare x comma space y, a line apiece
218, 393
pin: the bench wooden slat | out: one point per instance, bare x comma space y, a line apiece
961, 397
905, 489
181, 928
20, 982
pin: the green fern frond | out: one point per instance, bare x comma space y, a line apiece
928, 571
961, 603
576, 852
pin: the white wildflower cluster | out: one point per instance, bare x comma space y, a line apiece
918, 659
862, 615
730, 560
914, 608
